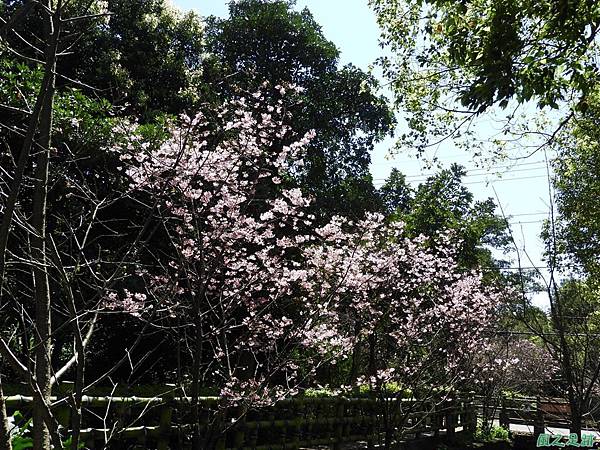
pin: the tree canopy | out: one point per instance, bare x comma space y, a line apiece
576, 231
269, 40
452, 61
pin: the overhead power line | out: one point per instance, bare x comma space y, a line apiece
478, 169
379, 184
528, 214
532, 333
526, 222
514, 268
471, 173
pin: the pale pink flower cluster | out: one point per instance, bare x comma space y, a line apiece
369, 276
267, 282
129, 302
514, 363
381, 377
254, 392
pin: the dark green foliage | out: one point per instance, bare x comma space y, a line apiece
271, 41
396, 193
144, 56
268, 40
21, 438
444, 203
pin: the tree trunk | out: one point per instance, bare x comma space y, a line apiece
576, 417
356, 354
387, 423
5, 443
372, 354
43, 330
196, 369
45, 94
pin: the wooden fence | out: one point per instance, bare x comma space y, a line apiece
163, 422
536, 412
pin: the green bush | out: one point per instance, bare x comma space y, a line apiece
362, 391
21, 433
318, 393
495, 433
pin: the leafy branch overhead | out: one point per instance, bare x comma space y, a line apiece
457, 60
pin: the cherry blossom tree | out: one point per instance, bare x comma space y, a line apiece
231, 266
267, 297
421, 317
511, 364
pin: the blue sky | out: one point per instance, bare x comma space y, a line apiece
522, 190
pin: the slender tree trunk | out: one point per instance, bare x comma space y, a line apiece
43, 329
387, 422
576, 416
79, 379
568, 372
45, 95
79, 357
197, 356
5, 443
356, 354
372, 354
11, 203
196, 368
40, 124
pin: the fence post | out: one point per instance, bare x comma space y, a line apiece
372, 422
504, 416
339, 424
450, 420
310, 411
63, 415
371, 434
165, 426
90, 441
142, 439
471, 424
538, 424
436, 419
63, 412
421, 420
221, 420
298, 408
239, 436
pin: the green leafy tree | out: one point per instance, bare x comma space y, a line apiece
573, 241
574, 344
268, 40
441, 203
576, 231
396, 194
143, 56
146, 57
455, 60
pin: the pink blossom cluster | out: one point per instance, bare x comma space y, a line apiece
514, 363
132, 303
264, 282
370, 277
254, 392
